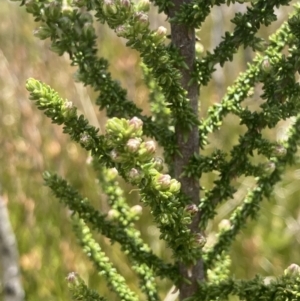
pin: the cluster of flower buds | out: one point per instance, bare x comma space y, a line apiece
141, 22
119, 129
128, 147
109, 7
164, 183
125, 138
143, 5
117, 12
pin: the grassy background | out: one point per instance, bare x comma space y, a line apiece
30, 144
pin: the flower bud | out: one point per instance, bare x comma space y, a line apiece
136, 123
112, 173
125, 3
135, 175
163, 182
109, 7
142, 21
200, 240
150, 146
191, 209
270, 167
160, 34
85, 139
72, 277
161, 31
115, 126
143, 5
68, 109
266, 66
224, 225
279, 150
133, 145
136, 209
158, 163
121, 31
146, 151
112, 214
116, 157
135, 127
68, 104
174, 186
31, 84
292, 270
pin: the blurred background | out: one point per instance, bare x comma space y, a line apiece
30, 144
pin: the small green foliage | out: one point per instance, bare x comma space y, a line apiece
131, 244
101, 261
80, 291
284, 288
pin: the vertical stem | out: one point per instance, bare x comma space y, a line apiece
184, 39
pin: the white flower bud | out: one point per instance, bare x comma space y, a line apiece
133, 145
161, 30
191, 208
292, 270
164, 181
136, 209
224, 225
136, 122
150, 146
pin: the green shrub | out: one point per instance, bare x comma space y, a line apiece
175, 69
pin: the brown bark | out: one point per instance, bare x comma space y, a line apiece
184, 39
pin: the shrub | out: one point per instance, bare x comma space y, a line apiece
175, 69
